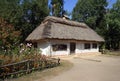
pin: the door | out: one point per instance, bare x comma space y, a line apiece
72, 47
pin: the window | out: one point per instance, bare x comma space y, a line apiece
58, 47
87, 46
94, 45
35, 44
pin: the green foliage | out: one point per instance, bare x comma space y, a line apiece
90, 11
19, 53
34, 12
9, 37
105, 21
10, 10
25, 15
112, 33
57, 8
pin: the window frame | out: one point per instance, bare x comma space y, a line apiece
59, 47
94, 45
87, 46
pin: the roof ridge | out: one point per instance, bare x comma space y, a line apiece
64, 21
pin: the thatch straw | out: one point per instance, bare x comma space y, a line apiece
58, 28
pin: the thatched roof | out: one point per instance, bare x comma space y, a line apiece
58, 28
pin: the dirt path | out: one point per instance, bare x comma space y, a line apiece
98, 68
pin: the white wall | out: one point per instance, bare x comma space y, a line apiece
62, 52
80, 48
46, 48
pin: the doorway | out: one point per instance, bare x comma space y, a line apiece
72, 47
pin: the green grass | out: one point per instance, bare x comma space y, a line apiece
45, 74
113, 53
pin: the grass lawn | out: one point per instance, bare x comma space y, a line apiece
113, 53
45, 74
116, 53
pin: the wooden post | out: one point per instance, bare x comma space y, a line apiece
28, 66
58, 60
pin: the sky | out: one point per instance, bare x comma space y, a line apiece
70, 4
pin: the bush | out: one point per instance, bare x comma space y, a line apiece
19, 53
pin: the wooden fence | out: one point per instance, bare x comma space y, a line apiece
27, 66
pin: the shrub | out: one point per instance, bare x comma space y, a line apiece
19, 53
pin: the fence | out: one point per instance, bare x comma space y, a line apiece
27, 66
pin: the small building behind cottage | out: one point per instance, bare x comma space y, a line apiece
57, 36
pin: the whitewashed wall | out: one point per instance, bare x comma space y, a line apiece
46, 48
80, 48
63, 52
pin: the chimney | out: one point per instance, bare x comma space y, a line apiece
65, 17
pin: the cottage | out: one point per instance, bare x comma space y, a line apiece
58, 36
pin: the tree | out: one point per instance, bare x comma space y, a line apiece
105, 21
11, 11
90, 11
25, 15
112, 35
34, 11
57, 8
8, 36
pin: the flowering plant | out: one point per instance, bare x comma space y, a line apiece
19, 53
